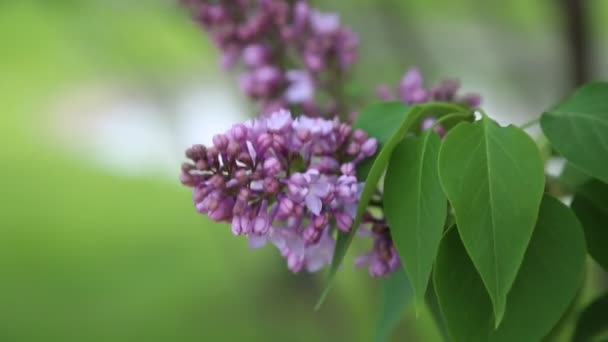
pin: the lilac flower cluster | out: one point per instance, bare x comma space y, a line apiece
283, 180
291, 52
411, 90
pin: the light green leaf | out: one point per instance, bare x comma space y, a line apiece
494, 179
593, 322
395, 295
549, 278
591, 206
578, 129
381, 121
370, 187
415, 206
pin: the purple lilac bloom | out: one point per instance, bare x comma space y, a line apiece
281, 180
411, 90
291, 52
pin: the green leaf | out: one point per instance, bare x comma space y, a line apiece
395, 295
415, 206
381, 121
593, 321
549, 278
578, 129
591, 206
370, 187
494, 179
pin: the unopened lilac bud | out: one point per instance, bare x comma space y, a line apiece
187, 167
311, 235
278, 143
343, 221
344, 130
298, 210
285, 206
417, 96
320, 222
313, 62
272, 166
196, 152
233, 149
264, 142
411, 80
239, 132
353, 149
255, 55
216, 181
295, 263
377, 268
359, 136
220, 141
324, 23
246, 224
472, 100
348, 169
428, 123
223, 211
446, 90
369, 147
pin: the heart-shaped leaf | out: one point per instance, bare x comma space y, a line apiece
578, 129
591, 206
415, 206
494, 179
549, 278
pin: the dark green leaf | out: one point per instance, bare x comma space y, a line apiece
370, 187
494, 179
578, 129
395, 295
415, 206
550, 275
593, 321
591, 206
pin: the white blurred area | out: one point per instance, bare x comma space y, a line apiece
136, 132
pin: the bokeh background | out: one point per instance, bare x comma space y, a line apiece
98, 99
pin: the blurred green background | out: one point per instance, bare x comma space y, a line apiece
98, 240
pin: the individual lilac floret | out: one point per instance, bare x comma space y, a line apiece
291, 52
282, 180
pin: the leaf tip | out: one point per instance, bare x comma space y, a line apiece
499, 314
